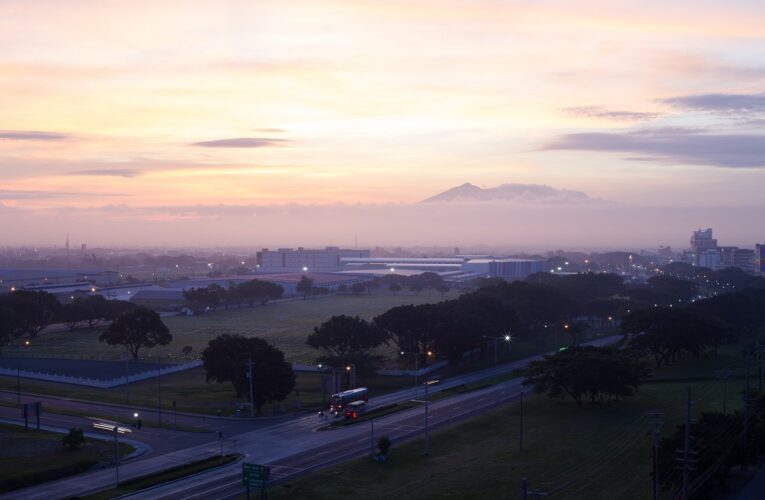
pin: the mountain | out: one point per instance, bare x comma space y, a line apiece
509, 192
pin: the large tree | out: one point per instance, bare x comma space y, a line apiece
9, 325
347, 339
135, 329
226, 359
595, 373
304, 286
34, 310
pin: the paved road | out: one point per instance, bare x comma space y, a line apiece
292, 446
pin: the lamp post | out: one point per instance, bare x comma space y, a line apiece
415, 355
372, 435
351, 369
334, 376
506, 337
18, 371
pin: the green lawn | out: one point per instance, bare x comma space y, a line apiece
593, 452
192, 394
32, 457
285, 324
143, 482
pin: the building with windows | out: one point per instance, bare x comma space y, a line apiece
305, 259
510, 269
701, 242
759, 260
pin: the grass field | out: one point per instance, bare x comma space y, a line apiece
32, 457
597, 452
286, 324
192, 394
144, 482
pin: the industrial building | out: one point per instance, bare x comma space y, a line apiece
285, 260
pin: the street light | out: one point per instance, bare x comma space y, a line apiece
415, 355
506, 337
334, 376
372, 435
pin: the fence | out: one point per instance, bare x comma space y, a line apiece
100, 383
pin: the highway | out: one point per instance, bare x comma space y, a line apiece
291, 446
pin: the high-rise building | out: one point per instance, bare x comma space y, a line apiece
759, 259
743, 258
701, 242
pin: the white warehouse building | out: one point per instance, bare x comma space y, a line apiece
505, 268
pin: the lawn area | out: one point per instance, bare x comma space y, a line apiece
173, 474
192, 394
285, 324
596, 452
32, 457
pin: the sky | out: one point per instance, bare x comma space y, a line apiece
318, 122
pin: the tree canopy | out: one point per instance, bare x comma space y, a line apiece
136, 329
225, 360
595, 373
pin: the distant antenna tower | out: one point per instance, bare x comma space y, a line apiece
67, 242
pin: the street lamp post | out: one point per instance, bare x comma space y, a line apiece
507, 338
334, 376
18, 372
351, 369
372, 435
416, 369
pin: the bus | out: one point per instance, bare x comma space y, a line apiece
337, 402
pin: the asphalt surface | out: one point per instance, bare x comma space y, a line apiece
291, 445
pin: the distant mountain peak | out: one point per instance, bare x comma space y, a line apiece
509, 192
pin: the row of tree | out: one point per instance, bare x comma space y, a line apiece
27, 313
213, 296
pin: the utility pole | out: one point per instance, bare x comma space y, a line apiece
116, 457
427, 403
249, 376
655, 418
524, 489
127, 376
686, 453
726, 376
746, 400
520, 437
159, 392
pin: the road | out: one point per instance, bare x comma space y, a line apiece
292, 445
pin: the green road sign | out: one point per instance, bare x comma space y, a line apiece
255, 475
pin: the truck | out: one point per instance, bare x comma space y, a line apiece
338, 402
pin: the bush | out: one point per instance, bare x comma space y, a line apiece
74, 440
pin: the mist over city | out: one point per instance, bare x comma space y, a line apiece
415, 249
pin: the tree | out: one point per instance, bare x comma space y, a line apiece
346, 339
383, 444
34, 310
9, 325
358, 288
304, 286
442, 289
409, 327
139, 328
597, 373
74, 315
225, 360
665, 333
394, 287
74, 439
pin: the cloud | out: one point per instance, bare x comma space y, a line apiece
12, 194
242, 142
608, 114
673, 145
31, 135
115, 172
720, 103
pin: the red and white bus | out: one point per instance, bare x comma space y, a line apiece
337, 402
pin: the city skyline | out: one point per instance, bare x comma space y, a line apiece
153, 122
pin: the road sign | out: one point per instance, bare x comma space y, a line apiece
255, 475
